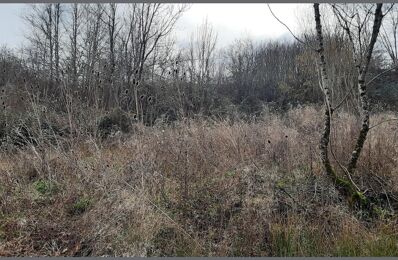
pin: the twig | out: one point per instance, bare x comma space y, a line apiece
345, 170
384, 184
381, 73
389, 9
388, 120
291, 197
287, 27
166, 215
379, 180
341, 102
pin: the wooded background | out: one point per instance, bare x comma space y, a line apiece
103, 57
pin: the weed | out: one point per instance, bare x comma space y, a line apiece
45, 187
80, 206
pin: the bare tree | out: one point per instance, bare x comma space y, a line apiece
39, 19
324, 83
362, 46
389, 35
201, 60
363, 40
93, 46
149, 24
73, 25
112, 26
57, 17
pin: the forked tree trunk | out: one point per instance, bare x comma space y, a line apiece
345, 186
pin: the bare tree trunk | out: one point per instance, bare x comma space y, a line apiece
363, 91
347, 187
75, 27
56, 39
111, 24
324, 143
51, 41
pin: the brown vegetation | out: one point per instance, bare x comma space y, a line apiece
114, 141
243, 188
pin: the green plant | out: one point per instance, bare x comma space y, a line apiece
230, 174
45, 187
80, 206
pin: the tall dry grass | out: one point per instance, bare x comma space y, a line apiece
211, 188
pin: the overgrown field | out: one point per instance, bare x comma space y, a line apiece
201, 188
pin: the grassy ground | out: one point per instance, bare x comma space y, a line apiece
201, 188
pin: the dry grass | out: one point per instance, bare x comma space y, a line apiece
199, 188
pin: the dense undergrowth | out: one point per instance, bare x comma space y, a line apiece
199, 188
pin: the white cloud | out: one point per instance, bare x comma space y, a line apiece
11, 25
231, 21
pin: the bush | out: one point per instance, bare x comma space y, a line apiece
117, 120
20, 129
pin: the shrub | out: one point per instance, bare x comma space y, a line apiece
117, 120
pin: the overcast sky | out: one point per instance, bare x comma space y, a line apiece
231, 21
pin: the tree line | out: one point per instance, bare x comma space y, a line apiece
123, 56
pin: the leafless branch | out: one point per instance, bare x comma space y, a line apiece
340, 103
380, 74
287, 27
385, 121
